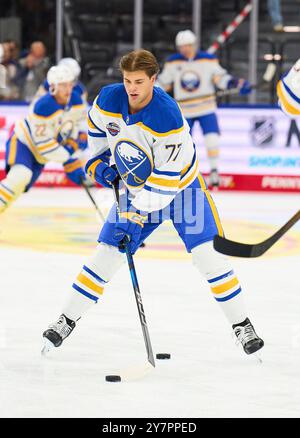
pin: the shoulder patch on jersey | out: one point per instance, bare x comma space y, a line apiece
175, 57
46, 106
111, 97
205, 55
163, 117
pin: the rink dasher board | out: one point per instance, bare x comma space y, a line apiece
229, 182
259, 149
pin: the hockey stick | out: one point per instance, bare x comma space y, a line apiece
135, 285
267, 78
238, 249
98, 211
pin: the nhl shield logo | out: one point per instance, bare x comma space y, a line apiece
113, 128
263, 131
133, 163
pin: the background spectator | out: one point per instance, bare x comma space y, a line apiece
9, 50
33, 71
274, 9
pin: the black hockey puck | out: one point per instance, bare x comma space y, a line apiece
113, 378
163, 356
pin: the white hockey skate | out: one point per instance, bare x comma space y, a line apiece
247, 337
57, 333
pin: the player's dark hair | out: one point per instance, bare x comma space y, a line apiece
139, 60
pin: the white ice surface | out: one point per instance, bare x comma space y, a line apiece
207, 376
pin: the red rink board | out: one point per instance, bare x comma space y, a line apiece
257, 183
261, 183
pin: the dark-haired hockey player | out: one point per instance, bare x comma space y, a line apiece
143, 129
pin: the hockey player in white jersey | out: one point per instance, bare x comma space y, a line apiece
142, 128
78, 86
191, 74
288, 91
48, 133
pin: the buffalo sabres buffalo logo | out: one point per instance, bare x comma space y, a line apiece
133, 163
113, 128
189, 81
65, 131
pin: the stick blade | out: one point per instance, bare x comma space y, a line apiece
238, 249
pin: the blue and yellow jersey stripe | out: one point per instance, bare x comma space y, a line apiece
12, 150
225, 286
289, 102
6, 194
30, 143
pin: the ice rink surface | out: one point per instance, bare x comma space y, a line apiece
47, 236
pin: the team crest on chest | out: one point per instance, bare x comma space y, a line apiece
133, 163
113, 128
190, 81
65, 130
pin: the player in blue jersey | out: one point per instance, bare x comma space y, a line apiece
141, 128
194, 75
48, 133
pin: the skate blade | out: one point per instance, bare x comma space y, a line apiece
47, 347
253, 356
257, 356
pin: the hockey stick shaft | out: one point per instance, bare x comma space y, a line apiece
222, 93
87, 190
135, 285
239, 249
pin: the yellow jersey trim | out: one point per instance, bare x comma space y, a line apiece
92, 168
7, 197
163, 182
31, 146
12, 150
46, 117
289, 107
108, 113
47, 146
160, 134
185, 182
214, 212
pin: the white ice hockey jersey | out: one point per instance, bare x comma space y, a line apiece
49, 126
288, 91
192, 79
152, 149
